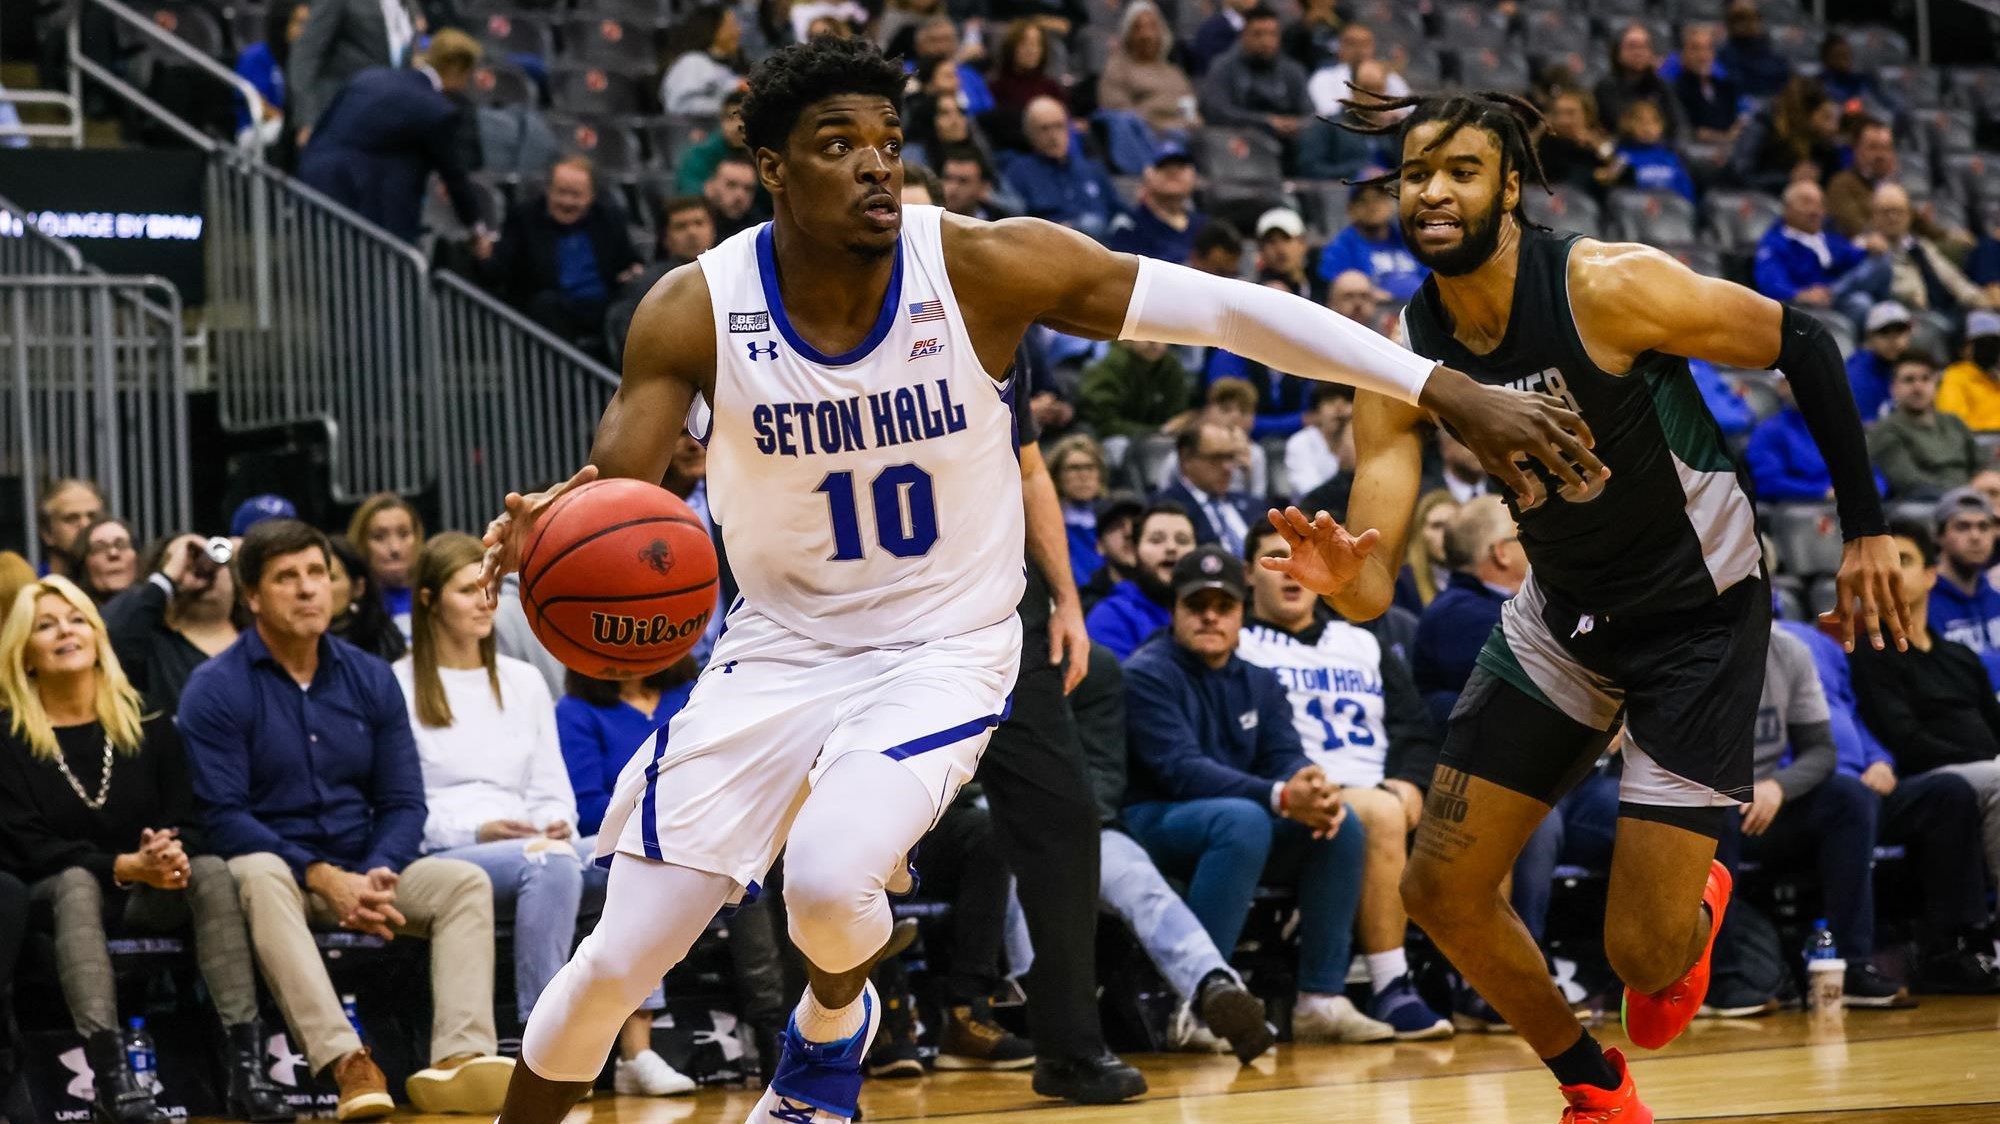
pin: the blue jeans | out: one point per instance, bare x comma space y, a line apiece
543, 894
1226, 846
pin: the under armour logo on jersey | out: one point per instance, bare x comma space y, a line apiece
762, 349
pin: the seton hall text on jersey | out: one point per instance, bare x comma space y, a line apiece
1330, 680
869, 421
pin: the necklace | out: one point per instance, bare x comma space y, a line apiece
76, 786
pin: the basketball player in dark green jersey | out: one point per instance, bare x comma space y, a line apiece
1646, 605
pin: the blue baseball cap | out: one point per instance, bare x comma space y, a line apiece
256, 509
1171, 152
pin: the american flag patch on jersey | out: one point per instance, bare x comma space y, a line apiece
922, 311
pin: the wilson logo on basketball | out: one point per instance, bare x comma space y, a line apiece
658, 555
641, 632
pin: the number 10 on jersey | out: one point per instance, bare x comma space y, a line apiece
905, 512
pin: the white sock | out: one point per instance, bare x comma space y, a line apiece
1385, 968
818, 1024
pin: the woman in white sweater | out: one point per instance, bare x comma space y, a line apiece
498, 789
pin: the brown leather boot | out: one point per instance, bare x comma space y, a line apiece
364, 1092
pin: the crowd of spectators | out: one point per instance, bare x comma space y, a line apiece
1236, 733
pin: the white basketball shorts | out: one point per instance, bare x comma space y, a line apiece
771, 713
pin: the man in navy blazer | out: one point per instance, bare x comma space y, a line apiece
375, 147
1208, 454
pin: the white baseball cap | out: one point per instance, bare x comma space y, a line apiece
1884, 314
1281, 218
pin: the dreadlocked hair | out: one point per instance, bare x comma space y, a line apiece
794, 77
1512, 120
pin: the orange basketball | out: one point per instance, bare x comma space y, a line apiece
618, 579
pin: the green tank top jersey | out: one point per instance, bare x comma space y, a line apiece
1673, 526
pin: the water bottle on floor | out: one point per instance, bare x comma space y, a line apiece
353, 1013
140, 1057
1826, 972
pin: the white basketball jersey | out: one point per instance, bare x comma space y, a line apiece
871, 498
1336, 692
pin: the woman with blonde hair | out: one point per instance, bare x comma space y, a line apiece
1076, 464
1140, 77
95, 797
389, 533
1424, 572
495, 780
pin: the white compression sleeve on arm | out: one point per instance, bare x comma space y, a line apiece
1174, 304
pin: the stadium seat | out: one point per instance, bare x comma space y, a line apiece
639, 14
1564, 210
610, 144
1950, 129
1807, 536
1239, 156
1617, 9
1493, 68
1705, 260
1470, 27
1657, 218
1976, 88
1693, 11
594, 91
1798, 42
192, 24
671, 135
1740, 218
513, 34
612, 44
1837, 325
1822, 595
1877, 47
1989, 444
1546, 32
1919, 87
1422, 68
502, 83
1325, 205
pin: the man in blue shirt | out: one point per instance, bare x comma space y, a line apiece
1488, 567
1162, 224
1373, 244
1785, 465
307, 773
1137, 607
1222, 794
1055, 180
1965, 608
1803, 261
1872, 367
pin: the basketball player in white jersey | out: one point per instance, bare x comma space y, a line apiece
855, 353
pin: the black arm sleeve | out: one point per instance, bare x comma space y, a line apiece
1810, 359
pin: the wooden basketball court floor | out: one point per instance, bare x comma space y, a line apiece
1935, 1064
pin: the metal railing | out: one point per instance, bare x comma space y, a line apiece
157, 38
25, 250
92, 384
70, 129
314, 311
517, 406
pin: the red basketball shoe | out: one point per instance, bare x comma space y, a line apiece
1652, 1021
1589, 1104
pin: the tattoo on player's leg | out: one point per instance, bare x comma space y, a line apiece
1441, 834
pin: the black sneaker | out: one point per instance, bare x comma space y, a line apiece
1726, 1002
972, 1040
1958, 971
1235, 1014
1102, 1079
1470, 1012
1867, 987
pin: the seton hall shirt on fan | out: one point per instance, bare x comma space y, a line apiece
1334, 682
870, 498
